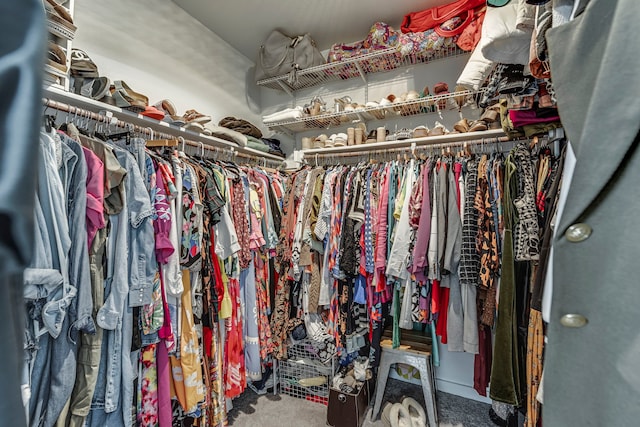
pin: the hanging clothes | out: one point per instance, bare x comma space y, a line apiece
141, 258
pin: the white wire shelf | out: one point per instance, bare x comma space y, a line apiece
488, 135
359, 66
56, 94
424, 105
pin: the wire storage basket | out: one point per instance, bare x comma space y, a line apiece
308, 371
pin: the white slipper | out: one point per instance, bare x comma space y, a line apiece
399, 416
386, 410
313, 381
416, 412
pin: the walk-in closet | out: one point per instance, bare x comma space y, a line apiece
303, 214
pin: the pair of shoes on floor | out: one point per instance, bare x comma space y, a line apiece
409, 413
268, 382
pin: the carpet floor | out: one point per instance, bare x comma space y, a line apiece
252, 410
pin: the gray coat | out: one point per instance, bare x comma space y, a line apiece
592, 372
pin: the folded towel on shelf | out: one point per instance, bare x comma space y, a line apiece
240, 125
257, 144
286, 114
266, 145
228, 134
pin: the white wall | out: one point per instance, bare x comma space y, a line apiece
162, 52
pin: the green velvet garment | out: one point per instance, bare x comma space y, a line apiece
505, 380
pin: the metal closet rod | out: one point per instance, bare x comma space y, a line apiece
264, 161
491, 144
100, 118
413, 147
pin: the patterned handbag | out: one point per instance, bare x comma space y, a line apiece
381, 36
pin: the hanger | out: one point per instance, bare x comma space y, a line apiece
533, 142
161, 142
115, 136
49, 120
267, 168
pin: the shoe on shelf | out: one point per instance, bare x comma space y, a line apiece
489, 116
315, 107
441, 88
126, 97
97, 88
167, 106
175, 120
59, 9
319, 141
330, 142
82, 65
420, 132
428, 106
56, 57
477, 126
342, 103
194, 127
58, 15
438, 130
371, 137
340, 140
195, 117
462, 126
461, 100
403, 133
153, 112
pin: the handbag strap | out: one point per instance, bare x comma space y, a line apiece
442, 13
265, 67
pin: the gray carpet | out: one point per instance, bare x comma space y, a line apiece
251, 410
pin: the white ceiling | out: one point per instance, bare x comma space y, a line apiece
245, 24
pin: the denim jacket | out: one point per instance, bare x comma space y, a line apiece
130, 276
48, 293
74, 178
